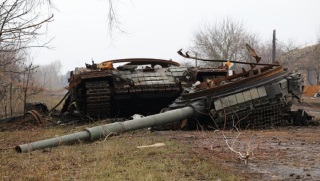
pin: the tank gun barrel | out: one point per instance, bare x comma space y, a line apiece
95, 133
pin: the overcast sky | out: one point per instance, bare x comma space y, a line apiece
158, 28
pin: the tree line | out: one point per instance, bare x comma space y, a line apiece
20, 22
225, 39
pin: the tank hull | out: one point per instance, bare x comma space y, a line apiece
142, 86
257, 101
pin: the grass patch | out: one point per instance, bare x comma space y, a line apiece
116, 158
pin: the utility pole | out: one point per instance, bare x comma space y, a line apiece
196, 60
274, 47
317, 57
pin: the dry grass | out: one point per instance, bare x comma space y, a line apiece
49, 100
116, 158
17, 105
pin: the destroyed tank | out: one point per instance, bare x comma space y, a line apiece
137, 86
260, 97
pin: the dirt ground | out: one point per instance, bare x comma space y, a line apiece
282, 153
285, 153
291, 153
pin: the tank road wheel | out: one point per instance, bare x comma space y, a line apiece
72, 107
31, 119
98, 99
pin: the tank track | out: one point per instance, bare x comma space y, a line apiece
257, 118
98, 99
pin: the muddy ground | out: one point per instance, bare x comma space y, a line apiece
282, 153
291, 153
285, 153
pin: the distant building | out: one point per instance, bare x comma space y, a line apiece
306, 60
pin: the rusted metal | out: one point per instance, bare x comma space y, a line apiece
40, 107
127, 90
30, 118
145, 60
225, 61
301, 118
263, 109
231, 85
141, 86
257, 97
36, 117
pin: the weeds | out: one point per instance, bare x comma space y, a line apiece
117, 158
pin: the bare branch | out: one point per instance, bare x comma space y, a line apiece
223, 40
113, 18
232, 146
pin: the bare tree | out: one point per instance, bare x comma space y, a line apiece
265, 51
20, 23
9, 74
49, 76
318, 36
29, 85
287, 53
113, 17
224, 39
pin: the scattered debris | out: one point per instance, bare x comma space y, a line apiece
311, 90
154, 145
32, 118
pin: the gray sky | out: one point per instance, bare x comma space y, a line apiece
158, 28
